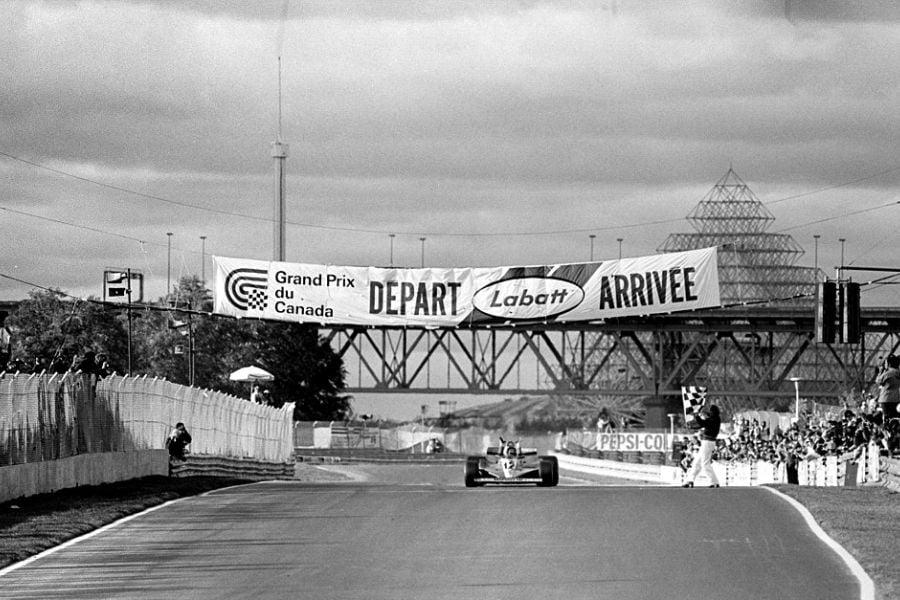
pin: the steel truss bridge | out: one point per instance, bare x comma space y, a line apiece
747, 352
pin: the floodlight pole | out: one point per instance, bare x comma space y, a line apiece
128, 315
672, 426
796, 381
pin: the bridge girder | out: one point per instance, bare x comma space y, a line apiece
745, 352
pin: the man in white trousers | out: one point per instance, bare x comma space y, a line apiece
709, 423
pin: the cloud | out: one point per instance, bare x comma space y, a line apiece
502, 132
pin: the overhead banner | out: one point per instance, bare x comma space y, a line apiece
343, 295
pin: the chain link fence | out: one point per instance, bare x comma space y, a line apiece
51, 416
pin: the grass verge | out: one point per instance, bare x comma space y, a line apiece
865, 521
31, 525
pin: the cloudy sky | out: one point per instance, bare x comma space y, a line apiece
504, 133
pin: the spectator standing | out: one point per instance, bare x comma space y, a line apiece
255, 395
605, 424
888, 381
102, 365
177, 441
87, 364
709, 422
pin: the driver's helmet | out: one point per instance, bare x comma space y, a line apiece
510, 449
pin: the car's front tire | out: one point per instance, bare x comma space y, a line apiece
473, 467
549, 471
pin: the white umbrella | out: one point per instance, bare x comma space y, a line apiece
251, 374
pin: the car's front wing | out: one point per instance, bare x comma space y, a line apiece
530, 476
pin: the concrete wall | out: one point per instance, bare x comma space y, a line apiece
29, 479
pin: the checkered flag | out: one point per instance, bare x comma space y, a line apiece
257, 300
693, 397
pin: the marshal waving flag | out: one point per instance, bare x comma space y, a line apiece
447, 297
693, 397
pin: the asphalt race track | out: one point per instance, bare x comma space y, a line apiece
423, 535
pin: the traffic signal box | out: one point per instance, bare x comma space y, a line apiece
837, 313
850, 330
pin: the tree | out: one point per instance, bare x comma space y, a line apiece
165, 339
50, 331
307, 370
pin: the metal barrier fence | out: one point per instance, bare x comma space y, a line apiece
51, 416
408, 437
864, 466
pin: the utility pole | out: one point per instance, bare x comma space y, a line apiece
168, 267
203, 260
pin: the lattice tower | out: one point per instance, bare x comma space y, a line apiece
754, 265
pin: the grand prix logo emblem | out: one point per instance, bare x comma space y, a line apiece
245, 289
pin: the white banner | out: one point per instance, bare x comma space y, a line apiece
342, 295
631, 442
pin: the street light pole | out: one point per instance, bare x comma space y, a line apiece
841, 272
816, 257
592, 236
203, 260
422, 239
672, 425
796, 381
620, 247
392, 236
169, 266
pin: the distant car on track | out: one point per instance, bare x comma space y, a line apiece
509, 464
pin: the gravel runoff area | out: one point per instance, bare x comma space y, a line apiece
864, 520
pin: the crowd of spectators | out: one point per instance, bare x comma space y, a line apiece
89, 362
841, 433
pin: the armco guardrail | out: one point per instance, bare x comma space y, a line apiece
373, 455
620, 470
400, 438
216, 466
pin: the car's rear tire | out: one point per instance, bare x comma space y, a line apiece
555, 462
473, 467
549, 471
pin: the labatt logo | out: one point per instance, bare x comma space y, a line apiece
528, 298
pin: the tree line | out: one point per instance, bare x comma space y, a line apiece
179, 339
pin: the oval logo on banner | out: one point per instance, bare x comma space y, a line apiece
528, 298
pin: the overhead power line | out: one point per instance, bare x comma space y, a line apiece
427, 233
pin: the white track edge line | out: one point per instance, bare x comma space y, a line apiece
866, 585
99, 530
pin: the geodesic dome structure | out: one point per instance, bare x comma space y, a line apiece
754, 265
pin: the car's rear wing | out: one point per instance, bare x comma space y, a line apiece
500, 451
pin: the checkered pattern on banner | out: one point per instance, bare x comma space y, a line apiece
257, 300
693, 397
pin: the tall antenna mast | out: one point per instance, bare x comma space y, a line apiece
280, 154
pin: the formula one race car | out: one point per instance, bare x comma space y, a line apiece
509, 463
